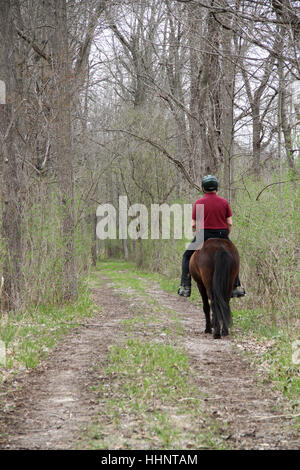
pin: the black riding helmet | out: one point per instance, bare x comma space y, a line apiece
210, 183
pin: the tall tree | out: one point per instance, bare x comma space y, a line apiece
227, 103
62, 80
11, 181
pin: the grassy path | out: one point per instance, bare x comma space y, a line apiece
140, 374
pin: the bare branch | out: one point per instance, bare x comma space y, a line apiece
277, 182
156, 145
34, 46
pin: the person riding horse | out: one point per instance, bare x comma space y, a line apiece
217, 224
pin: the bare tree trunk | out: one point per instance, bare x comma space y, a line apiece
285, 125
94, 240
62, 79
227, 110
195, 135
204, 92
125, 248
11, 206
256, 135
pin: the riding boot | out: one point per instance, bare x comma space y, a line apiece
185, 285
186, 282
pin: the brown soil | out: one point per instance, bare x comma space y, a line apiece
49, 407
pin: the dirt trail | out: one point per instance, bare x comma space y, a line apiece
51, 406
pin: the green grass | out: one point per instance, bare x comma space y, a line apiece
149, 391
159, 366
139, 321
126, 275
257, 323
132, 280
283, 373
29, 336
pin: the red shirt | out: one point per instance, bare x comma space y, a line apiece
216, 211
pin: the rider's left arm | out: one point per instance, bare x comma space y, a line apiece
229, 224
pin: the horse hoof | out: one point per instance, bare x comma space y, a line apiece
208, 330
217, 336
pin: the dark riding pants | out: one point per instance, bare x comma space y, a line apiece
185, 276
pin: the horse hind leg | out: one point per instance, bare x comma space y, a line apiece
206, 307
225, 331
219, 325
216, 323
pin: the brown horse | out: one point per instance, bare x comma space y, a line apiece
214, 268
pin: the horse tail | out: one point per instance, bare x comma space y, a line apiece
220, 287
